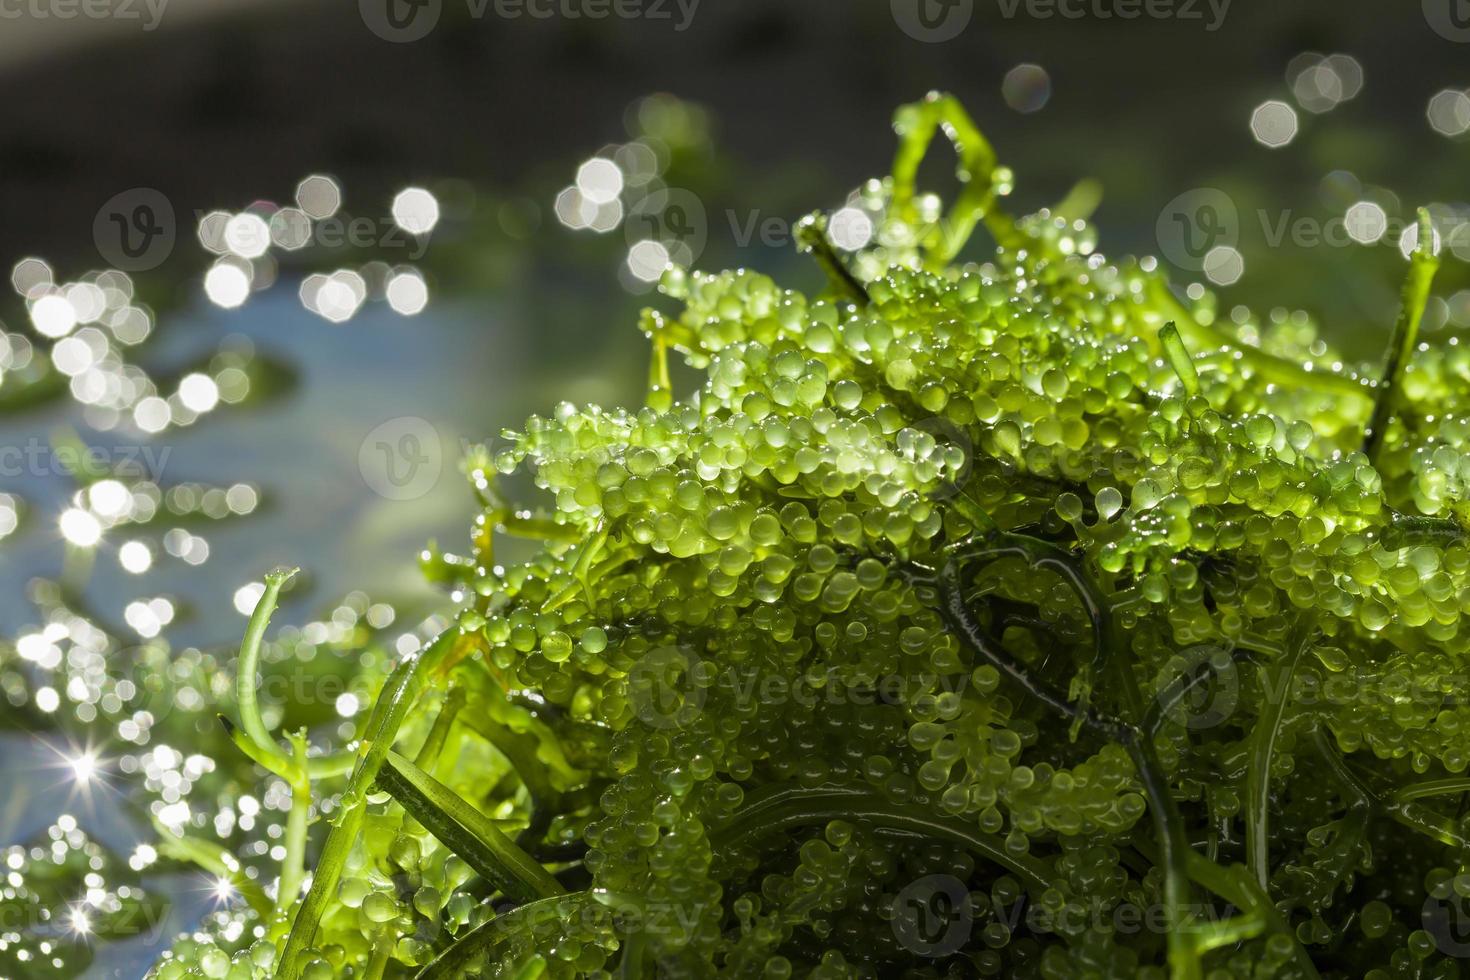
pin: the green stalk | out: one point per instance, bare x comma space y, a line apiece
467, 832
1257, 913
399, 693
1265, 364
480, 943
1184, 960
344, 833
217, 861
1432, 787
246, 669
1258, 773
784, 807
1174, 850
1400, 805
1423, 263
917, 124
1179, 358
811, 237
438, 736
382, 952
630, 964
248, 664
660, 395
293, 868
1418, 818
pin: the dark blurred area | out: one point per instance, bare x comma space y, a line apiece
229, 103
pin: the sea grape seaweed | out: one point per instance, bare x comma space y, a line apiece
1004, 616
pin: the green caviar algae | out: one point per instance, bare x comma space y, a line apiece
1004, 618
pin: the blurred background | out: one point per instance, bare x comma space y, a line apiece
269, 268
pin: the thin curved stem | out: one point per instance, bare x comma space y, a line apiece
1179, 358
786, 807
962, 623
1046, 556
917, 124
1170, 697
382, 953
811, 237
1432, 787
267, 751
1403, 810
398, 695
217, 861
1266, 365
1263, 746
1174, 848
1423, 263
293, 868
249, 661
479, 943
466, 831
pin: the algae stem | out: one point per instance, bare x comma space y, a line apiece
477, 944
466, 831
1258, 772
268, 751
916, 125
1179, 358
398, 695
1423, 263
1433, 787
811, 237
1267, 365
660, 395
216, 860
245, 670
789, 807
293, 868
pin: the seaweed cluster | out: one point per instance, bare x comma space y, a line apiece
1011, 617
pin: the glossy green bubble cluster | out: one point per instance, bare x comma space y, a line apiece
998, 618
